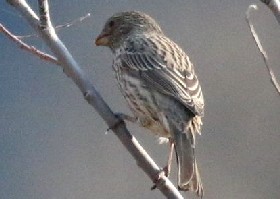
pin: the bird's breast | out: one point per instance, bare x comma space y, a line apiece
140, 100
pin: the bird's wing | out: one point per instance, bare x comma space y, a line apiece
164, 67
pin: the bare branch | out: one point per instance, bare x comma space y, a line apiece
26, 36
274, 6
262, 51
28, 48
44, 14
73, 70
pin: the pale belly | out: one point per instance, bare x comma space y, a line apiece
143, 104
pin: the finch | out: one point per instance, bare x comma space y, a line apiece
159, 84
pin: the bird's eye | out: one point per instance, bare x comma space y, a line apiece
111, 24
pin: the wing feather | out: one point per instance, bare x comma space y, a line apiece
165, 68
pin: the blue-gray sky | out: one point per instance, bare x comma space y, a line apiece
53, 145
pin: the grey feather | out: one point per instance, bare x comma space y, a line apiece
163, 74
185, 157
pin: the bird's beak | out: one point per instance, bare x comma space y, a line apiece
102, 40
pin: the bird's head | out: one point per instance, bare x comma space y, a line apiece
123, 24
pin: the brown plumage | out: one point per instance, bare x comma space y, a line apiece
159, 84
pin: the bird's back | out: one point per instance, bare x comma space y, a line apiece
152, 70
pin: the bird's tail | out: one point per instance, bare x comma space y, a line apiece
194, 184
188, 174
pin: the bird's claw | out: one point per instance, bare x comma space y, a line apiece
119, 121
158, 178
126, 117
121, 118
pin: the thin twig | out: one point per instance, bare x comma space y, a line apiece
73, 22
27, 47
262, 51
60, 27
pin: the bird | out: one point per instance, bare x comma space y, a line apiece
160, 86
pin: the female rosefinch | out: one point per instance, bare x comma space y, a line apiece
159, 84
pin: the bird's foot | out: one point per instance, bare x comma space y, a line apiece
127, 117
121, 118
166, 170
158, 178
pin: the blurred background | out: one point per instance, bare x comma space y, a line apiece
53, 144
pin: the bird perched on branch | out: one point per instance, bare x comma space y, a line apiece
159, 84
